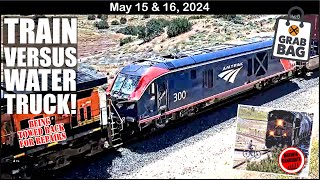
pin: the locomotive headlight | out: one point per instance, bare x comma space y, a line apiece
280, 122
284, 134
271, 133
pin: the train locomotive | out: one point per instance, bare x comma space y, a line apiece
287, 128
152, 92
148, 94
83, 133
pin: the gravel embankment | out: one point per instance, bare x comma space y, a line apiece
202, 148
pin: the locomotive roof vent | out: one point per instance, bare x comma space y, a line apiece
204, 50
150, 61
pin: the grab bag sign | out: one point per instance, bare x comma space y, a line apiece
292, 37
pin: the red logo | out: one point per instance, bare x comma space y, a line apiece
291, 160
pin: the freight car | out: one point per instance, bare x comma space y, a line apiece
287, 128
152, 92
313, 63
83, 133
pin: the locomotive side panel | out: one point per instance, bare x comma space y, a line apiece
219, 79
305, 129
192, 85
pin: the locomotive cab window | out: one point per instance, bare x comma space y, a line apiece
82, 114
89, 112
38, 117
125, 84
162, 89
162, 94
24, 124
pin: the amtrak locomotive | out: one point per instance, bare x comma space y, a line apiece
159, 90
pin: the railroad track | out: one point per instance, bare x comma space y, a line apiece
257, 138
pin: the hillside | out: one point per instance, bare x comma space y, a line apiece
100, 48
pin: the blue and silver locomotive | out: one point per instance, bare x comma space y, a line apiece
159, 90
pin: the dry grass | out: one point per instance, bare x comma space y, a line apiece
252, 114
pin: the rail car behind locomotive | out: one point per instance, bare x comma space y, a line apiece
287, 128
82, 131
156, 91
313, 63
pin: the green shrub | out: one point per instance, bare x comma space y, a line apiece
226, 17
123, 20
125, 40
161, 22
95, 24
104, 17
115, 22
314, 160
238, 20
178, 26
227, 39
155, 27
91, 17
130, 30
102, 24
141, 30
270, 164
233, 18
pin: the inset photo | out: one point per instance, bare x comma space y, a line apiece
273, 140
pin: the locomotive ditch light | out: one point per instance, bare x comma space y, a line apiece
285, 134
271, 133
280, 122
